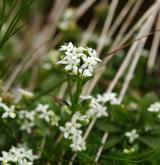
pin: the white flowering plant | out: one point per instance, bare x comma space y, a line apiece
79, 83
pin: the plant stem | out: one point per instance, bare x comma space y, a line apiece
76, 96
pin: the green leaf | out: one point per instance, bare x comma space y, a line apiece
119, 115
151, 141
107, 126
112, 140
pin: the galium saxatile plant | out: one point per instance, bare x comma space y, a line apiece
81, 62
53, 100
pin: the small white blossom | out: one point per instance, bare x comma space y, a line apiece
132, 135
19, 155
25, 114
108, 97
9, 112
27, 118
47, 115
27, 126
96, 109
78, 143
72, 131
79, 60
154, 107
6, 157
79, 117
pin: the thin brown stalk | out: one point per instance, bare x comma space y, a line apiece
127, 23
88, 33
120, 17
154, 48
133, 65
138, 24
84, 7
108, 21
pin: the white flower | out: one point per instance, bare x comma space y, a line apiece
87, 73
154, 107
47, 115
96, 109
132, 135
27, 120
9, 112
42, 107
79, 117
108, 97
79, 60
72, 131
6, 157
24, 114
67, 48
78, 143
27, 126
19, 155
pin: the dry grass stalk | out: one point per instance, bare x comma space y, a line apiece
109, 18
125, 26
84, 7
120, 17
154, 48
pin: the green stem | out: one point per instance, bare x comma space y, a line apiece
77, 94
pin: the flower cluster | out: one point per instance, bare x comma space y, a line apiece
154, 107
132, 135
97, 104
45, 114
96, 109
27, 118
72, 131
78, 61
19, 155
9, 112
108, 97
